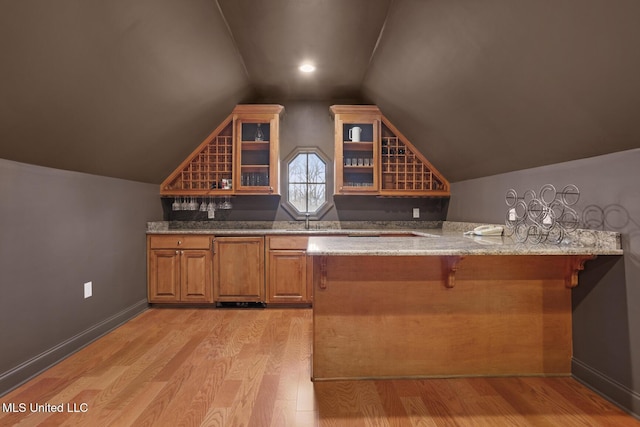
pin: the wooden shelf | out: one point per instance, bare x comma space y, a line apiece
357, 146
358, 168
255, 145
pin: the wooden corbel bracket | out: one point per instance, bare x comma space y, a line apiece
449, 267
323, 273
575, 264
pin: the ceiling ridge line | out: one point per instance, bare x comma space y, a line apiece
375, 47
233, 40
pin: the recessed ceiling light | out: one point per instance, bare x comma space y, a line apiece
307, 68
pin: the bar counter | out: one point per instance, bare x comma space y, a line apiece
442, 304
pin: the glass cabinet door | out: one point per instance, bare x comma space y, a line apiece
256, 168
357, 155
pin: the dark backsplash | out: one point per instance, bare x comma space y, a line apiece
345, 208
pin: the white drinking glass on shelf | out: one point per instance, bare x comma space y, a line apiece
175, 206
203, 206
227, 203
211, 210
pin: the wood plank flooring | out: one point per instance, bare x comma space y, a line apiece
235, 367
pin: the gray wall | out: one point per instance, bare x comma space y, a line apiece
606, 302
59, 229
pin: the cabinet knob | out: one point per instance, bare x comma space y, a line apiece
177, 252
179, 242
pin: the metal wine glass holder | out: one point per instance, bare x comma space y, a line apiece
543, 217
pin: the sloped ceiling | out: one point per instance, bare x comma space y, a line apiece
127, 88
489, 86
121, 88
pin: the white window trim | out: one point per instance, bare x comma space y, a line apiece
327, 205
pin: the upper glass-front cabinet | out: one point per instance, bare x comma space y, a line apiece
357, 151
257, 148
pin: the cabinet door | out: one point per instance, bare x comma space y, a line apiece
287, 281
357, 154
239, 269
164, 276
195, 276
257, 154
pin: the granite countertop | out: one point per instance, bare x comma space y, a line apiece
442, 238
447, 243
313, 232
261, 228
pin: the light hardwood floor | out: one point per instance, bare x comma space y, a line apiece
235, 367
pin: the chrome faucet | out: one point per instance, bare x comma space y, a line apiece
306, 221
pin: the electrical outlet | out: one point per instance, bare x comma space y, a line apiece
416, 212
88, 289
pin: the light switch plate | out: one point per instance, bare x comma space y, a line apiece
416, 212
88, 289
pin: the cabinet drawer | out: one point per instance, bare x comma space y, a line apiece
176, 241
288, 242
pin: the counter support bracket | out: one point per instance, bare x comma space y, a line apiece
575, 265
323, 273
450, 265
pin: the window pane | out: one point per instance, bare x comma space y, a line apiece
316, 168
298, 169
298, 196
316, 196
307, 181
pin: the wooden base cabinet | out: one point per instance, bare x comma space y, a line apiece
179, 269
287, 279
238, 269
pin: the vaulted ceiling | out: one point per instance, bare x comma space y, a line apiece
127, 88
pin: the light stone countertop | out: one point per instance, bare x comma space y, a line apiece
445, 238
447, 243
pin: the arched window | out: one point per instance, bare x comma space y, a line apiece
306, 192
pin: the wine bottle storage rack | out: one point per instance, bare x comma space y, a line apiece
546, 216
402, 169
245, 144
208, 169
